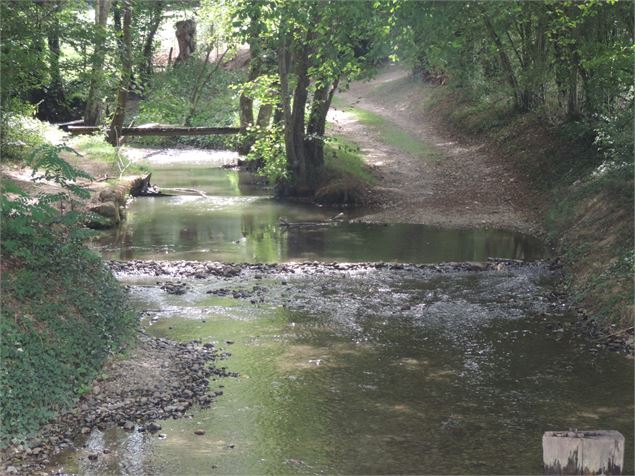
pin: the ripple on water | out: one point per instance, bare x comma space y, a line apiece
377, 370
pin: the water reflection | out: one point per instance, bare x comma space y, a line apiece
236, 222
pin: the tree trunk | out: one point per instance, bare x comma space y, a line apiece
573, 107
124, 84
92, 113
55, 102
317, 125
278, 115
264, 116
246, 114
148, 45
506, 64
284, 60
186, 36
302, 179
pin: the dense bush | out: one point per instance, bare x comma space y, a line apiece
62, 311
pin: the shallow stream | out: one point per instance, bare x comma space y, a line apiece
359, 369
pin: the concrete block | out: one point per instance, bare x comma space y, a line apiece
583, 452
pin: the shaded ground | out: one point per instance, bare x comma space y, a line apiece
426, 176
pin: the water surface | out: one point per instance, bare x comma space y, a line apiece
239, 221
375, 372
354, 371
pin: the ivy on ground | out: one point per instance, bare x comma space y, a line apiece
62, 312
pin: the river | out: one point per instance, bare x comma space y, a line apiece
360, 369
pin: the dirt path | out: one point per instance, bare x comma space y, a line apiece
442, 182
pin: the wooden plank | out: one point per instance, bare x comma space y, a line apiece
160, 131
583, 452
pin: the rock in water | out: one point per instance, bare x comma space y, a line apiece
153, 427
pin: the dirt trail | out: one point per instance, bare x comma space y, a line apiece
447, 183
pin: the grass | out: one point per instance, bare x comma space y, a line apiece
342, 157
346, 178
391, 134
95, 147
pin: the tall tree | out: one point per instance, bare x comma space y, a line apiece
570, 57
93, 110
126, 75
317, 46
155, 17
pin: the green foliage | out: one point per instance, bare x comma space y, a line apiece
345, 179
46, 159
269, 148
344, 159
608, 292
614, 133
21, 132
23, 49
43, 54
315, 48
61, 311
168, 102
95, 147
567, 59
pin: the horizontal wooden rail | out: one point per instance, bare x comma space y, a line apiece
159, 131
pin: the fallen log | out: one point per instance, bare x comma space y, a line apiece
159, 131
65, 125
141, 187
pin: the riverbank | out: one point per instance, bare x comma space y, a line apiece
62, 312
153, 380
445, 160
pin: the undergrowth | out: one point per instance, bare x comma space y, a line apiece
95, 147
168, 101
346, 179
62, 312
342, 157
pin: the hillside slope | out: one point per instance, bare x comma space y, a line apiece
446, 160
